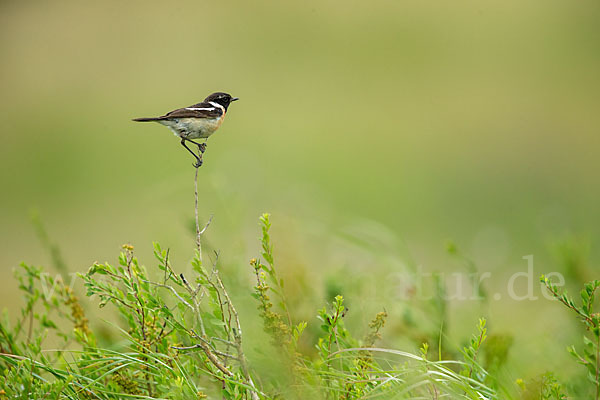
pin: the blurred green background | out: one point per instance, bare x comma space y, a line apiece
372, 131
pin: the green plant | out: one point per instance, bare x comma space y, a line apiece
182, 339
345, 367
182, 335
544, 387
473, 368
176, 344
590, 355
179, 336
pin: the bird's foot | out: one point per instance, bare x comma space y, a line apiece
202, 147
197, 164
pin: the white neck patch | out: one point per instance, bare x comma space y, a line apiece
217, 105
199, 109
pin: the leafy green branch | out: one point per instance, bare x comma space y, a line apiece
590, 357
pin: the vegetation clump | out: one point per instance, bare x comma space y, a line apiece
180, 337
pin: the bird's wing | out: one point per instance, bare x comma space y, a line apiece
200, 110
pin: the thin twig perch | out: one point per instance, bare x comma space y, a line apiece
237, 330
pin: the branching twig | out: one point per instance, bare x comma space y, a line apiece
212, 357
198, 231
207, 224
237, 330
237, 334
196, 346
167, 268
172, 290
196, 307
198, 236
218, 339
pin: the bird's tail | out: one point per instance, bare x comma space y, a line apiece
146, 119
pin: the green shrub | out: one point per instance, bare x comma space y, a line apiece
180, 337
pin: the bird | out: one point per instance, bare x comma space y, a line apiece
197, 121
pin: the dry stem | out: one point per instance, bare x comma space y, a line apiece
237, 330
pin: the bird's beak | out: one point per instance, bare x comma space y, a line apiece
235, 98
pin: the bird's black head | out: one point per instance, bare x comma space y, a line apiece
221, 98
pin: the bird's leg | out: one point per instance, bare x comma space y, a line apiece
198, 162
201, 146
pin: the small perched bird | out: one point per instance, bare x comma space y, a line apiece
196, 122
